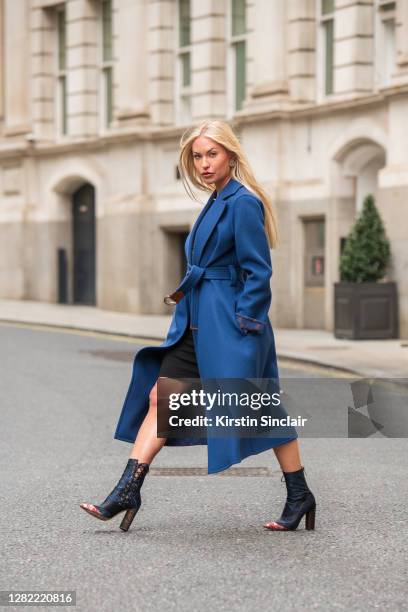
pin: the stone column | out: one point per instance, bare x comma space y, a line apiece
402, 41
131, 76
161, 40
208, 59
1, 61
42, 72
16, 56
267, 47
83, 68
302, 49
353, 47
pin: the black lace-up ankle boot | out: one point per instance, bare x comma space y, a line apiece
125, 497
300, 502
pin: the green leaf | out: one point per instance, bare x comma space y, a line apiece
367, 253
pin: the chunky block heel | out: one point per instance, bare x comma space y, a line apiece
310, 519
128, 518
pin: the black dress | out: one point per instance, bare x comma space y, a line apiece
180, 360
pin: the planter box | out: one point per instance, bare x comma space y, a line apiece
366, 311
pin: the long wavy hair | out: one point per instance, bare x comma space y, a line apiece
222, 133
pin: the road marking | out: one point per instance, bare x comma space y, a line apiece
287, 363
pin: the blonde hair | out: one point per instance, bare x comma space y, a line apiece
222, 133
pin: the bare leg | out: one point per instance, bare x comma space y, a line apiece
147, 444
288, 456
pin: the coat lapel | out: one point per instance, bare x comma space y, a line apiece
203, 231
195, 227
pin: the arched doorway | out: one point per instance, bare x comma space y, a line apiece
355, 168
83, 245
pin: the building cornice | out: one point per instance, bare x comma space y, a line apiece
327, 107
149, 133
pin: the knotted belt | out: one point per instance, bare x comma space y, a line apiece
195, 274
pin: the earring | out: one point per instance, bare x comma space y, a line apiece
231, 163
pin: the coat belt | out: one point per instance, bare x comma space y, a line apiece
195, 274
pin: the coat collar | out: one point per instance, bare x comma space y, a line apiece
217, 207
228, 190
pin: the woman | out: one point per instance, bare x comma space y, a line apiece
220, 327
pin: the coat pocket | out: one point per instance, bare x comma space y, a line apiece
249, 324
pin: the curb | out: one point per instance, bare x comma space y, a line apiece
76, 328
319, 363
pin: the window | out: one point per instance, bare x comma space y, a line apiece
183, 68
237, 53
314, 271
107, 63
326, 44
61, 96
385, 42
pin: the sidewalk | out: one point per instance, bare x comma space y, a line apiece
372, 358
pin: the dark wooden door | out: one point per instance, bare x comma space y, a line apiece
83, 217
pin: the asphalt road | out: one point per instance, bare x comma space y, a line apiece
198, 541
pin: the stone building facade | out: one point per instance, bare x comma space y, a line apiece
95, 95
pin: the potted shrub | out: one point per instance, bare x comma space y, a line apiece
365, 308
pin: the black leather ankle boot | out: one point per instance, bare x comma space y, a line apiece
300, 502
125, 497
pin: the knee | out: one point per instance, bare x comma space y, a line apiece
153, 398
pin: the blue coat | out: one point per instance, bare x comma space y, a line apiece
232, 333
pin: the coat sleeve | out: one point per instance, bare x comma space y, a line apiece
253, 256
